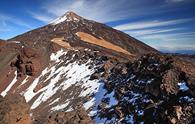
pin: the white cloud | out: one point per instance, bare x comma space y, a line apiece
150, 24
11, 26
173, 48
175, 1
170, 41
10, 19
151, 31
104, 10
168, 38
4, 30
160, 34
114, 10
41, 17
3, 20
96, 10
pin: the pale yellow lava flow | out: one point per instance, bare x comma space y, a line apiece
61, 42
101, 42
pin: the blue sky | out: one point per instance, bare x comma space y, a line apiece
163, 24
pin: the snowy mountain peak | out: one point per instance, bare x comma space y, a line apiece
68, 16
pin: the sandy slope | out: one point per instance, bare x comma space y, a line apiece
101, 42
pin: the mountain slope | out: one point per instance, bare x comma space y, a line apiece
75, 62
70, 24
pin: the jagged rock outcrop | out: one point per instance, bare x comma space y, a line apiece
23, 67
153, 90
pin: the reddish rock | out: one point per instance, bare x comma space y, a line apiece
14, 110
37, 88
29, 52
170, 81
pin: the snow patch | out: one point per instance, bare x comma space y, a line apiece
130, 119
113, 100
55, 56
187, 98
99, 93
56, 100
47, 91
72, 73
63, 19
17, 42
10, 85
24, 81
59, 20
183, 87
60, 107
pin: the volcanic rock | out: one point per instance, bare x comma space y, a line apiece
78, 116
14, 110
116, 78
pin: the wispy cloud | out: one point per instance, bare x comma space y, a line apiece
174, 48
11, 26
161, 33
100, 10
170, 38
185, 37
4, 30
175, 1
150, 24
151, 31
153, 28
105, 10
5, 19
170, 41
41, 17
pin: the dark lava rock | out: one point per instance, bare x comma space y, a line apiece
78, 116
147, 90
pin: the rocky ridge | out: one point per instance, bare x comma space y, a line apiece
58, 71
14, 110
